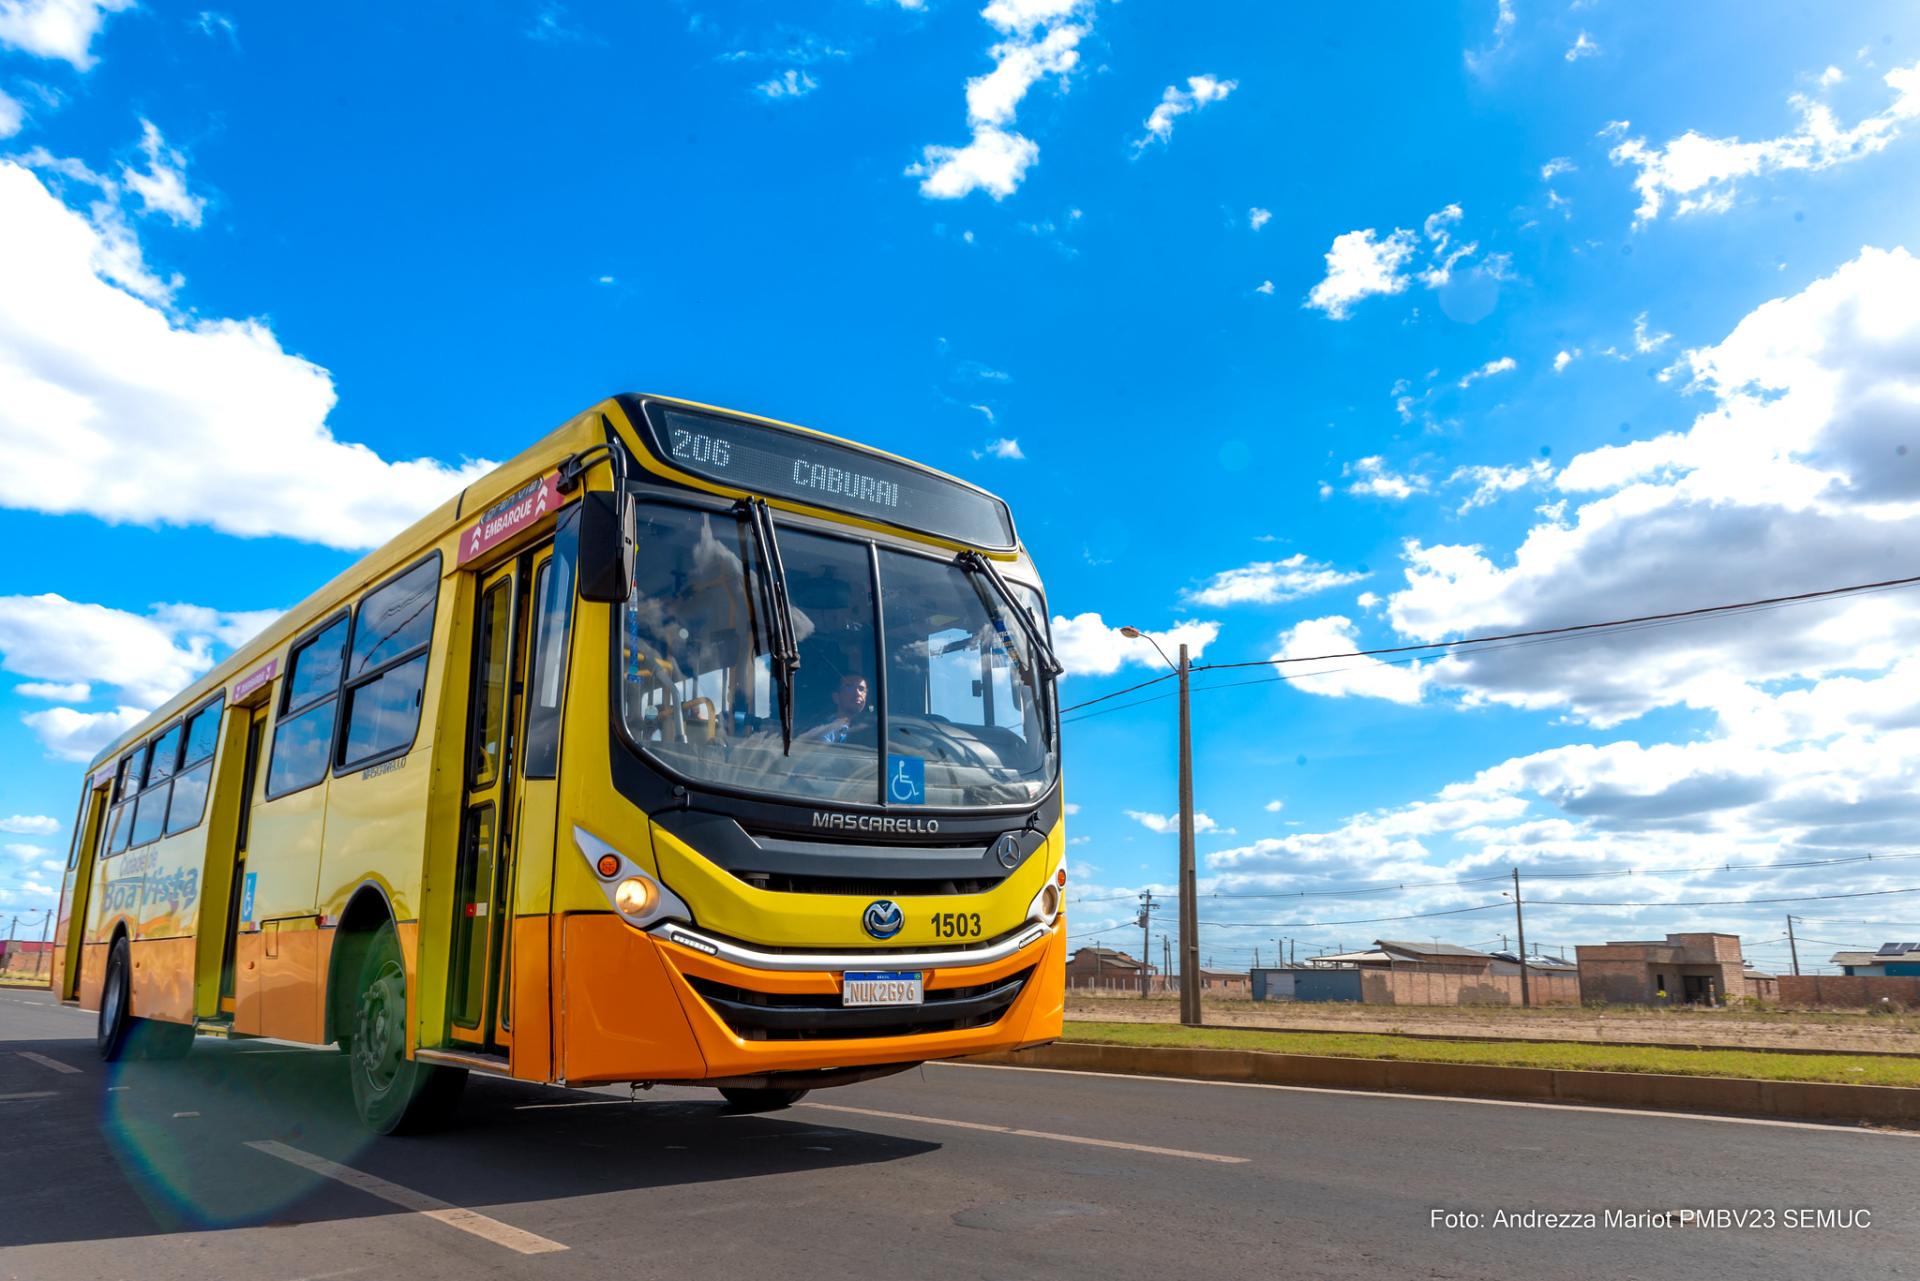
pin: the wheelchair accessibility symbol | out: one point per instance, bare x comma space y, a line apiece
906, 780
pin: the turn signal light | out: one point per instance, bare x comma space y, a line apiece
608, 866
1060, 878
634, 896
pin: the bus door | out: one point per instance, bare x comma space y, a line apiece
239, 891
483, 866
89, 835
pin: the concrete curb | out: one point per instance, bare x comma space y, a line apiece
1722, 1095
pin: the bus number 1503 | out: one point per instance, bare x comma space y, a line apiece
701, 448
956, 925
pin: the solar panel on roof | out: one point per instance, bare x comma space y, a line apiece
1897, 949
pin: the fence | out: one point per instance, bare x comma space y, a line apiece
24, 960
1416, 987
1855, 992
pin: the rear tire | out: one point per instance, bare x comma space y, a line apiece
761, 1100
392, 1093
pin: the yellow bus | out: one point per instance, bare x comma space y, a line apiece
688, 746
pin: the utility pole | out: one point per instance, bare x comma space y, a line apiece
46, 927
1520, 928
1146, 942
1189, 894
1293, 949
6, 961
1166, 958
1793, 946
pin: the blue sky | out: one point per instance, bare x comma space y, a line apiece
1284, 331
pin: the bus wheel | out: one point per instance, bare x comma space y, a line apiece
393, 1093
116, 1002
761, 1100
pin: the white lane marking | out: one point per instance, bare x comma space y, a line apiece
46, 1062
27, 1094
178, 1115
1032, 1134
453, 1216
582, 1103
1824, 1127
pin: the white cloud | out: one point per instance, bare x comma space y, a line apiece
1489, 483
1555, 167
164, 412
12, 115
1339, 677
1169, 824
1700, 174
1504, 365
1477, 60
1071, 808
212, 24
62, 29
1040, 38
163, 187
1372, 478
26, 853
1006, 447
55, 691
1359, 265
29, 825
1792, 479
1258, 217
1264, 287
1177, 102
1274, 807
1831, 77
1087, 646
1582, 47
1362, 263
70, 735
790, 83
1565, 358
146, 657
1269, 582
1645, 341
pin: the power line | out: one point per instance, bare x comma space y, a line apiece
1678, 615
1642, 873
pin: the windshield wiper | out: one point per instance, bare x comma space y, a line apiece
1029, 626
785, 649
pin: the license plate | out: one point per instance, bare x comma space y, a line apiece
882, 987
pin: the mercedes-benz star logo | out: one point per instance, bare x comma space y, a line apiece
883, 918
1007, 850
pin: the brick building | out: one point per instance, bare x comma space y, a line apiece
1103, 968
1682, 969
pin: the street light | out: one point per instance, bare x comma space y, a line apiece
1189, 900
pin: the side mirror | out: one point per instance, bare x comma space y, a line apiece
606, 546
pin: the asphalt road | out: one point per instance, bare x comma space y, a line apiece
245, 1162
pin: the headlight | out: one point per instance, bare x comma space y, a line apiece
635, 896
1046, 904
638, 897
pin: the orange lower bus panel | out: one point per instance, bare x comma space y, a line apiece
621, 1020
163, 979
619, 983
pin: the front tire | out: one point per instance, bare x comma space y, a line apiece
761, 1100
116, 1002
393, 1094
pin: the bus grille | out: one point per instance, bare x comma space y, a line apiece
864, 887
771, 1016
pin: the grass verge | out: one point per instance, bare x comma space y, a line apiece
1843, 1069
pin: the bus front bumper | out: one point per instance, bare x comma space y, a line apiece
675, 1004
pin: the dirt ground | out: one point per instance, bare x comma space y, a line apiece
1860, 1032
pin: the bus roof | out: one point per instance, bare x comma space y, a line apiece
433, 529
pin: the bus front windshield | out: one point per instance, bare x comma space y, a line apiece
958, 695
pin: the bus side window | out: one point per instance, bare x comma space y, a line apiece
387, 667
119, 826
553, 595
196, 768
303, 732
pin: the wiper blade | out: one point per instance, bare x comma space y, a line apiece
1050, 666
785, 652
1029, 627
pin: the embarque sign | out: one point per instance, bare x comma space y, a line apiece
509, 516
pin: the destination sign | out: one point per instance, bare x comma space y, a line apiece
803, 468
